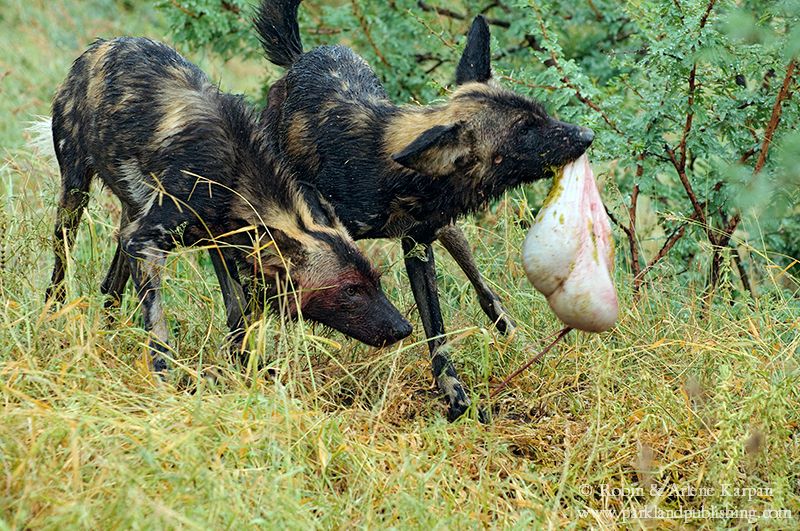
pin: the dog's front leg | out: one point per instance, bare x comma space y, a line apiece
453, 239
237, 299
422, 275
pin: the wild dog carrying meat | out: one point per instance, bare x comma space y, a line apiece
410, 172
191, 166
569, 253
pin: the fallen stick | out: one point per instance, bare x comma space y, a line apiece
564, 331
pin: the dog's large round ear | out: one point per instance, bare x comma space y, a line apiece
476, 61
436, 151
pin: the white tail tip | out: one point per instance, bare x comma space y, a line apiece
40, 136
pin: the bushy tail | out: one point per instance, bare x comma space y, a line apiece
40, 136
276, 24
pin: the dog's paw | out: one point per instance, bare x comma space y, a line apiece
502, 321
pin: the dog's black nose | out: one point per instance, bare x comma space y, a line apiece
402, 331
586, 136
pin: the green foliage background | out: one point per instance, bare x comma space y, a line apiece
622, 68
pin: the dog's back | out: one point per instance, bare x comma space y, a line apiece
130, 107
338, 73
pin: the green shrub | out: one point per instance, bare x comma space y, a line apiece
672, 88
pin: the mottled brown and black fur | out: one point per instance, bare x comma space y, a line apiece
191, 166
409, 172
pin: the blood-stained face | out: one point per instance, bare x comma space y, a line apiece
349, 298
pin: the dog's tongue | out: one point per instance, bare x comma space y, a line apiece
569, 254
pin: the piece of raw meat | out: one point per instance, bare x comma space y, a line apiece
568, 253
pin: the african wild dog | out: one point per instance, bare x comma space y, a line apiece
409, 172
191, 166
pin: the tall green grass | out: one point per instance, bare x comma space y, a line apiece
345, 435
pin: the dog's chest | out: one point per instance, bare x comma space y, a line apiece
401, 216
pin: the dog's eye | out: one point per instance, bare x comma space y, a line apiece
351, 291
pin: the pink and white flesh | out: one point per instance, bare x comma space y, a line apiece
568, 253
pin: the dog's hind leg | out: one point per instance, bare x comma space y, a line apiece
422, 275
76, 178
453, 239
119, 272
145, 243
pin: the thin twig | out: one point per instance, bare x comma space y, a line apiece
718, 240
670, 242
707, 13
449, 13
687, 186
679, 162
436, 65
597, 14
720, 243
746, 155
564, 331
231, 7
530, 85
184, 10
568, 82
323, 31
365, 27
783, 95
689, 117
592, 105
727, 232
614, 219
437, 34
631, 230
737, 259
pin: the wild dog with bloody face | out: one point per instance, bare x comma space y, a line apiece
191, 166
